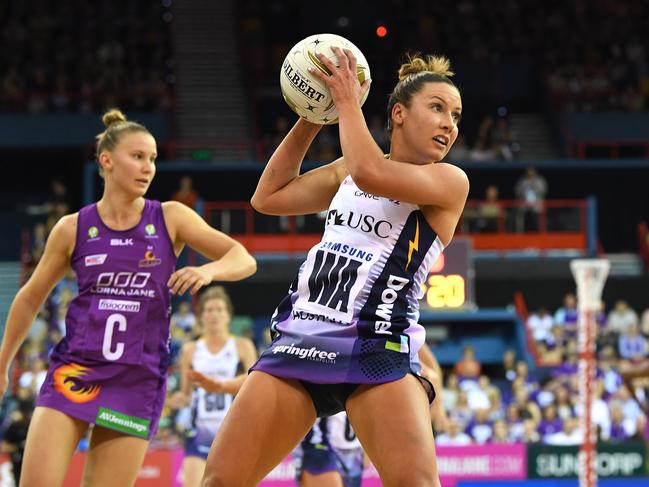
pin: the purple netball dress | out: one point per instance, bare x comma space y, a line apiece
351, 316
110, 369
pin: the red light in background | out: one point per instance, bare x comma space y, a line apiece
381, 31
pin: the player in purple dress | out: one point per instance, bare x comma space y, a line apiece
346, 336
110, 368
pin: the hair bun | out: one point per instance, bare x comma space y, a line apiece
439, 65
113, 116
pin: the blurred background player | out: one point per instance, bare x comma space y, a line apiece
330, 455
216, 363
110, 367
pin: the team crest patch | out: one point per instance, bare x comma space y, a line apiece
150, 230
93, 232
150, 259
68, 381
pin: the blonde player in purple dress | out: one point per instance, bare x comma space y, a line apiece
110, 368
346, 336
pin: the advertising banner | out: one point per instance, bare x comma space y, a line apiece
481, 462
613, 460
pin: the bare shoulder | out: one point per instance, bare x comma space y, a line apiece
243, 343
64, 232
175, 209
188, 348
454, 173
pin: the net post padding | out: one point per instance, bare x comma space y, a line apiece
590, 276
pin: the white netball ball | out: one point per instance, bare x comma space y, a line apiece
307, 95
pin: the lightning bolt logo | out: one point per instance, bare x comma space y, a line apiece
413, 244
67, 382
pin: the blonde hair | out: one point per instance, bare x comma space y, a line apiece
116, 126
438, 65
413, 74
216, 292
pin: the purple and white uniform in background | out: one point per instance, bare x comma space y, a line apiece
110, 368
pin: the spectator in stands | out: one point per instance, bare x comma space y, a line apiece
462, 412
531, 190
184, 318
556, 339
530, 434
620, 317
489, 211
632, 345
514, 423
551, 423
502, 140
621, 428
460, 150
540, 323
483, 149
451, 392
34, 377
509, 364
500, 433
453, 436
13, 441
478, 395
564, 403
468, 367
568, 315
187, 195
630, 408
569, 435
527, 409
480, 428
607, 370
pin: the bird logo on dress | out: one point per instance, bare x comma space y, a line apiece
67, 381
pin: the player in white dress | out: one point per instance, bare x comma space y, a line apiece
216, 364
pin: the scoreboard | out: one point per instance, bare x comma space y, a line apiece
449, 284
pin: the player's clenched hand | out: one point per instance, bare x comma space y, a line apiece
189, 277
207, 383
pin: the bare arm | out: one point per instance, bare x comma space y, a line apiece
433, 372
248, 355
442, 185
231, 261
182, 397
283, 191
50, 269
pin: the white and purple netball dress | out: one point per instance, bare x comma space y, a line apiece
208, 409
351, 315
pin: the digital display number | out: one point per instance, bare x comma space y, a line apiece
450, 280
445, 291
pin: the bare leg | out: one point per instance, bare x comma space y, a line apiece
114, 458
328, 479
193, 468
392, 422
52, 439
267, 419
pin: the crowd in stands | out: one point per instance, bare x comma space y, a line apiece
77, 56
579, 56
